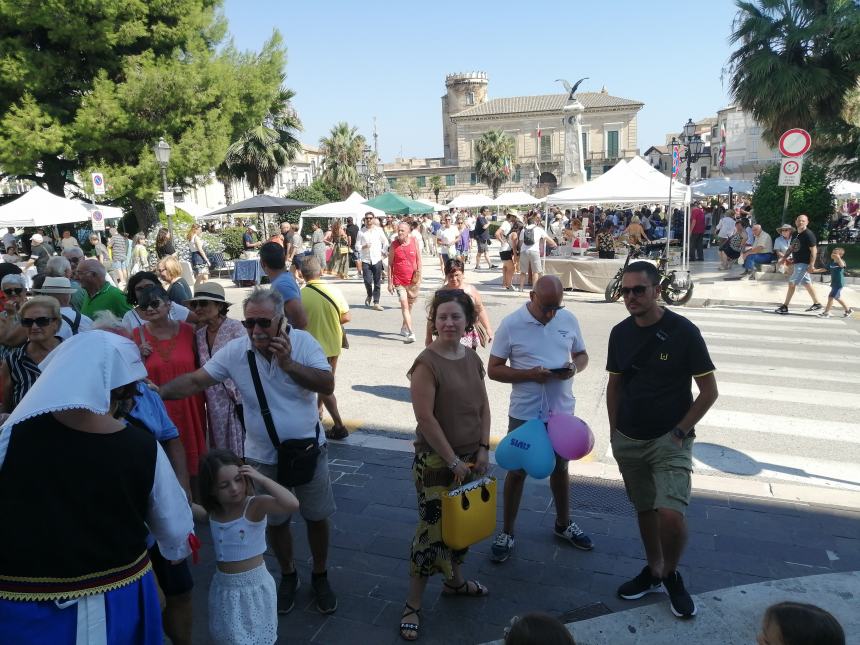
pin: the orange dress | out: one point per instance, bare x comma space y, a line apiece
168, 360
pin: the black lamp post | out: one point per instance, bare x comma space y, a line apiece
162, 155
693, 144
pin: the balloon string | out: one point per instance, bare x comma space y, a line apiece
544, 403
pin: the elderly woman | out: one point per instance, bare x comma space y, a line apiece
223, 401
456, 280
67, 461
40, 316
606, 241
168, 348
137, 284
449, 398
170, 272
12, 334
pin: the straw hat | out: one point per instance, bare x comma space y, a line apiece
209, 291
53, 285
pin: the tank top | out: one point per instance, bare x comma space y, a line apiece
238, 539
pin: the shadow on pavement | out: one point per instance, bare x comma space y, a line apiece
393, 392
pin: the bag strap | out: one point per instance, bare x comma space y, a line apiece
327, 297
646, 351
261, 397
73, 324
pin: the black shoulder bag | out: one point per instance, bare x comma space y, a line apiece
344, 342
647, 350
297, 458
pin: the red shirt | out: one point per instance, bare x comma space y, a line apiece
404, 262
697, 221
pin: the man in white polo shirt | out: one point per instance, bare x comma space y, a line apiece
293, 369
544, 346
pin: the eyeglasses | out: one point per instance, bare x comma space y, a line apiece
262, 323
13, 292
41, 321
152, 304
638, 290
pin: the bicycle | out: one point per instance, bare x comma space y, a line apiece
676, 287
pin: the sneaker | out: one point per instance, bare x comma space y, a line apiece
575, 535
326, 600
848, 313
290, 584
367, 301
681, 602
502, 547
824, 314
642, 584
377, 307
404, 331
745, 273
782, 309
410, 338
814, 307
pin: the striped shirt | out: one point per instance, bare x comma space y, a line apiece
23, 371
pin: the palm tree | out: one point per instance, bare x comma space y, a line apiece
259, 154
494, 157
796, 65
343, 149
407, 186
436, 186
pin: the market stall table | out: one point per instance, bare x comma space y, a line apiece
583, 273
247, 271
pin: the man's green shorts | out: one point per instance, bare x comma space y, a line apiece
656, 472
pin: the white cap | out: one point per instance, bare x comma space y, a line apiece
35, 238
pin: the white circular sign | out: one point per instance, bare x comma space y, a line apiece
795, 142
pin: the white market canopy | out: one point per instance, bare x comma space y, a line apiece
428, 202
353, 206
470, 200
38, 207
633, 182
720, 186
846, 188
518, 198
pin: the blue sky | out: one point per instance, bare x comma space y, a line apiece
351, 61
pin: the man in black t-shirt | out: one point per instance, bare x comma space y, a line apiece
653, 357
352, 233
803, 250
482, 237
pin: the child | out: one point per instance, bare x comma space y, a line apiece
242, 598
837, 281
537, 629
796, 623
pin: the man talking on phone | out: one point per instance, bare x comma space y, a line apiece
544, 346
292, 370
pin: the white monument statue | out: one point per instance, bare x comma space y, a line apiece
573, 165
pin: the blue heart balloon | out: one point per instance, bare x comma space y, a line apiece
527, 448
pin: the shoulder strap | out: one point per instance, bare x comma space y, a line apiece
261, 397
646, 352
327, 297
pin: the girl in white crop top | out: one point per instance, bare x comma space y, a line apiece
242, 597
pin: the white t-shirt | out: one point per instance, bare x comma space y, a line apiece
726, 226
505, 228
539, 234
447, 237
67, 243
375, 241
294, 408
526, 343
65, 331
416, 235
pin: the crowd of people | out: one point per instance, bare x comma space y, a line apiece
176, 411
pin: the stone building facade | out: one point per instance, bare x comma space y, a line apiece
535, 122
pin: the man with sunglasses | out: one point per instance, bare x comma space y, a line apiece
373, 245
654, 355
543, 343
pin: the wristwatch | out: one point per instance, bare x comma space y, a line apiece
485, 446
454, 463
678, 433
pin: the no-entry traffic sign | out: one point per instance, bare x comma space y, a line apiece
795, 142
789, 171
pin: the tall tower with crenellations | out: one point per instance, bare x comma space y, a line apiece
463, 90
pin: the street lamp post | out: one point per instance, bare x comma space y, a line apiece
162, 155
693, 144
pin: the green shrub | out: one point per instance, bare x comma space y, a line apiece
812, 197
231, 238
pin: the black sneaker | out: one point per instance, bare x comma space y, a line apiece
642, 584
502, 547
290, 584
814, 307
326, 600
575, 535
681, 602
782, 309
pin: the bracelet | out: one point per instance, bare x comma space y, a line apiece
678, 433
454, 463
485, 446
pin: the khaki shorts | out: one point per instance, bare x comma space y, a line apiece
656, 472
316, 499
407, 292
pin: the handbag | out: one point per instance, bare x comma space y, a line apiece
469, 513
483, 334
344, 341
297, 458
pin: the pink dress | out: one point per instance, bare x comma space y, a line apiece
225, 426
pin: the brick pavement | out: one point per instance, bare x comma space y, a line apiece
733, 541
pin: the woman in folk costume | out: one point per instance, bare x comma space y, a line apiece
78, 489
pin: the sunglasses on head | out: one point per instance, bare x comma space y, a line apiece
41, 321
263, 323
13, 292
638, 290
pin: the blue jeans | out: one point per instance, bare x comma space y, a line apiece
372, 274
757, 258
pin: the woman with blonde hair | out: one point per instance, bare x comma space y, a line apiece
139, 255
170, 271
339, 263
199, 261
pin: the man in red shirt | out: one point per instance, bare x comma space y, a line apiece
697, 233
404, 275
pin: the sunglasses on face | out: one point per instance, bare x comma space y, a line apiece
41, 321
198, 304
638, 290
551, 309
152, 304
262, 323
13, 292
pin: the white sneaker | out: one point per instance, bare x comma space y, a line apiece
404, 331
410, 338
824, 314
848, 313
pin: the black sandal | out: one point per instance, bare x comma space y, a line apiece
463, 589
337, 433
409, 627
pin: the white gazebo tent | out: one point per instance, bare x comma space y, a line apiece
470, 200
436, 207
517, 198
721, 186
846, 188
38, 207
353, 206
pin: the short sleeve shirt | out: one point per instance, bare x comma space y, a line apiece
109, 298
656, 393
526, 343
286, 285
801, 245
323, 317
41, 254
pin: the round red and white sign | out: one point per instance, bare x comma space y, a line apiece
795, 142
790, 167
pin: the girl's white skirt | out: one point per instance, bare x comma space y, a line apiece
243, 608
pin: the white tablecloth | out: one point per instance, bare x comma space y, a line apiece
586, 274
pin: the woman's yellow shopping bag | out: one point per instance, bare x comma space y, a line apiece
469, 513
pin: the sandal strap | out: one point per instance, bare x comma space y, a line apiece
456, 589
409, 609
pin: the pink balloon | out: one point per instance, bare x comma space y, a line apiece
570, 436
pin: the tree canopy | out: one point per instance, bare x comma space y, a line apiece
813, 197
494, 157
343, 149
86, 87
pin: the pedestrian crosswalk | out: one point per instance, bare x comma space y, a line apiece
788, 408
